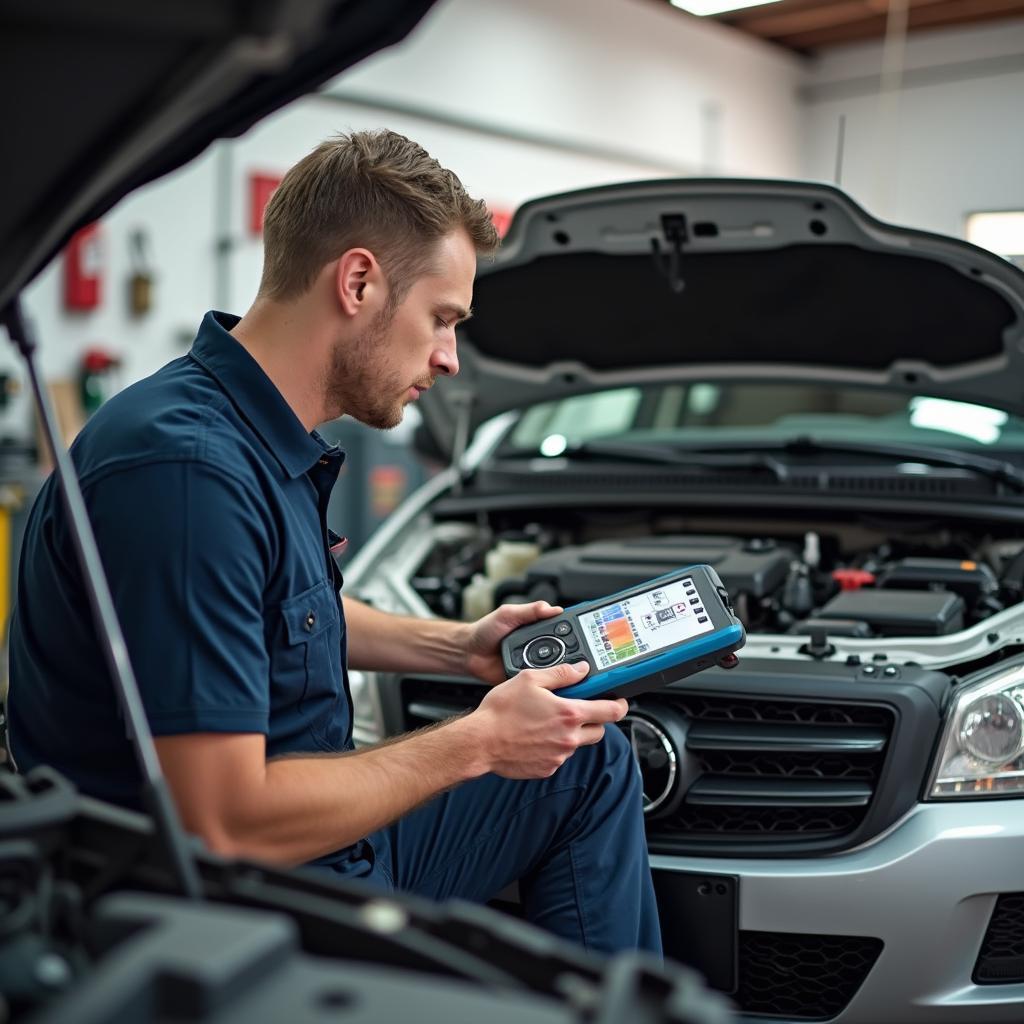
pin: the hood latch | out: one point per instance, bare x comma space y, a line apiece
667, 264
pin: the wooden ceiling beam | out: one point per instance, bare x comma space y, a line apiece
745, 14
776, 22
783, 23
947, 12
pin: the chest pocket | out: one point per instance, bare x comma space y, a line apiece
308, 664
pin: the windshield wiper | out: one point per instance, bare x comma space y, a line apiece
663, 455
764, 457
995, 469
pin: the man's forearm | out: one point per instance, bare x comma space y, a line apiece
396, 643
306, 806
299, 807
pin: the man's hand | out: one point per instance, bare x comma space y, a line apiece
483, 645
527, 732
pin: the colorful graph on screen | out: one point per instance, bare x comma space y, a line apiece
645, 623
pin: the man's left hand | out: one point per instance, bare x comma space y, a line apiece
483, 647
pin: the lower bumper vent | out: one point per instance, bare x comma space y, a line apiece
1001, 960
802, 977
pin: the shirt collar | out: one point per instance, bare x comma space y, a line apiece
256, 397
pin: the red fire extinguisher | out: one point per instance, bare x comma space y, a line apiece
83, 269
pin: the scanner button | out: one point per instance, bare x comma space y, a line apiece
563, 629
544, 651
571, 643
702, 618
694, 600
699, 611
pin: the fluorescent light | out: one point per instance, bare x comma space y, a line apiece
1002, 232
705, 7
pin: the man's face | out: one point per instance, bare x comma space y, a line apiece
375, 376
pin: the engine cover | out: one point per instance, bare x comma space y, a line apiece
590, 571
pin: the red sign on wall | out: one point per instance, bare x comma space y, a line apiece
83, 269
501, 219
261, 188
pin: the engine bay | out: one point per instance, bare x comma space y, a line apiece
848, 580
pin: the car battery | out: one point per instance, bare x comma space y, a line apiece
971, 580
898, 612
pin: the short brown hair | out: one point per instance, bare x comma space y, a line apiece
378, 190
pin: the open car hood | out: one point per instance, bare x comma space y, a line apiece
100, 97
726, 280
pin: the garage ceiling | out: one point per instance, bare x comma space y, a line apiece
807, 25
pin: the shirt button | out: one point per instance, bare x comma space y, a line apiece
310, 620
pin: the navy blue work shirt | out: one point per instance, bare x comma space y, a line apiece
209, 499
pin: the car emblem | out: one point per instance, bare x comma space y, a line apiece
656, 757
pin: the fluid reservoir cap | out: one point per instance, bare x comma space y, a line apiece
853, 579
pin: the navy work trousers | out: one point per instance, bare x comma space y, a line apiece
575, 843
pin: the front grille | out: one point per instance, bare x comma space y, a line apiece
765, 771
1001, 960
804, 977
753, 774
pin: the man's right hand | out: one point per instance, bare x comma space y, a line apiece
527, 732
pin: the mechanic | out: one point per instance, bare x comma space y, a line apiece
207, 486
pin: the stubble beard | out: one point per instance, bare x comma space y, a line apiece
362, 383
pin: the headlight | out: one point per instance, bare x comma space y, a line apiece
982, 752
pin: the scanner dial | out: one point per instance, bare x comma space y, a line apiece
544, 651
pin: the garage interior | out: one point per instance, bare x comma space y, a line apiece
914, 109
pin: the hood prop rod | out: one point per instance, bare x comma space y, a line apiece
155, 792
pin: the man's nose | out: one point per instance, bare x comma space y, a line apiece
446, 361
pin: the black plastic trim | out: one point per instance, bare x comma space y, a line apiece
1009, 509
732, 792
792, 976
737, 736
1001, 957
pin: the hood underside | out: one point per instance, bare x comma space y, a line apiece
101, 97
729, 280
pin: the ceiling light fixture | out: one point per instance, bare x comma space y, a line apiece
704, 8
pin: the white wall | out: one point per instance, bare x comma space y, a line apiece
625, 73
520, 99
951, 144
176, 214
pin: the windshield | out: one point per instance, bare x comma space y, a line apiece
702, 413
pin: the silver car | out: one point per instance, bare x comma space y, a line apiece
827, 409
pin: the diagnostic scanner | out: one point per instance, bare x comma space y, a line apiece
639, 639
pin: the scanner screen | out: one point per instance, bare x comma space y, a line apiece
645, 623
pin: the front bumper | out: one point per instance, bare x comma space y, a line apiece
926, 888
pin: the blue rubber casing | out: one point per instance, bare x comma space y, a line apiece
648, 672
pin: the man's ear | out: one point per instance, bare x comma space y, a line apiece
358, 282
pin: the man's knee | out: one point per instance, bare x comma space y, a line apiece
613, 757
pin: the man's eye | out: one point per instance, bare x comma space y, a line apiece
444, 323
